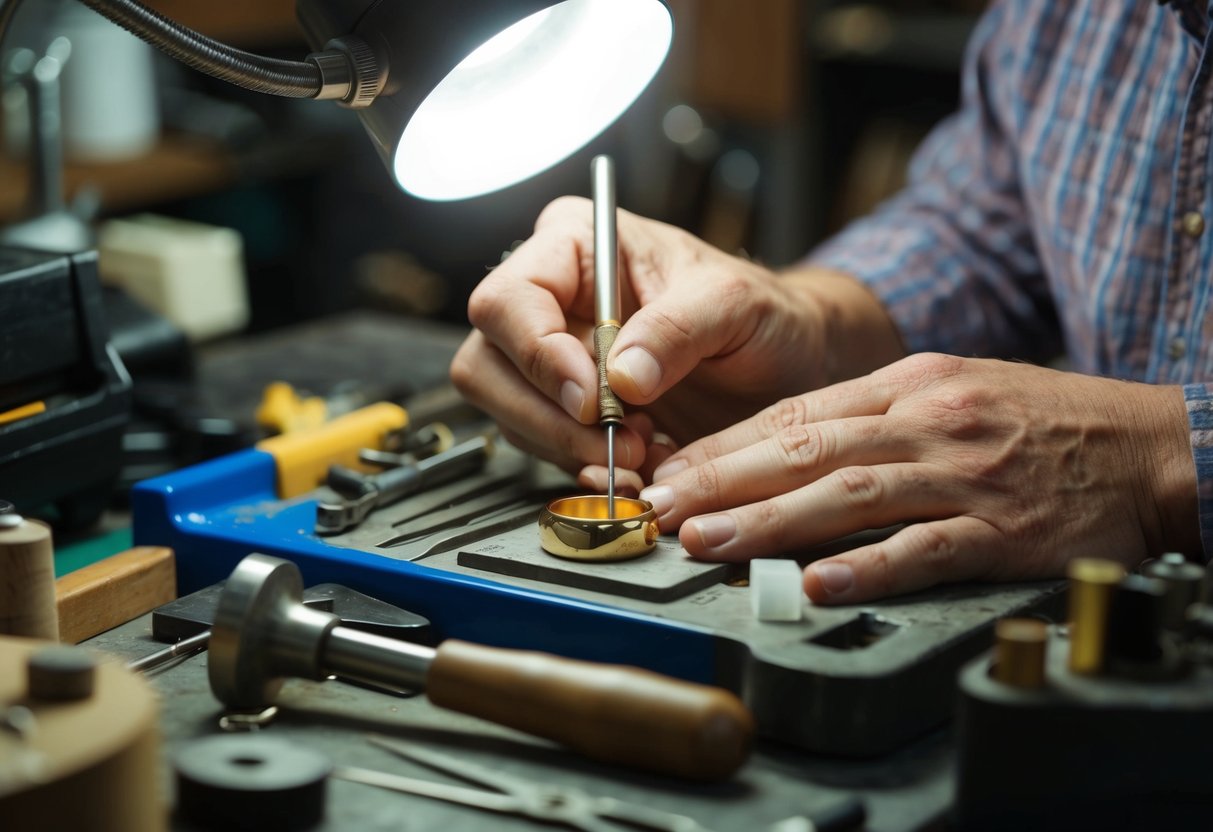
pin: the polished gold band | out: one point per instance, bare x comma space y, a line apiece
581, 528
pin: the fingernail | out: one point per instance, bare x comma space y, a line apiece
639, 365
661, 496
836, 578
715, 530
669, 468
572, 399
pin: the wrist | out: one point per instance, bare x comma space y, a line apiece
857, 334
1171, 472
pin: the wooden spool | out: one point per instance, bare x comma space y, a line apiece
88, 765
27, 580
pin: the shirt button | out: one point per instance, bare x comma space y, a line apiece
1176, 349
1193, 224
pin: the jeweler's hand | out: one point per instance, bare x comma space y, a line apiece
1002, 471
707, 339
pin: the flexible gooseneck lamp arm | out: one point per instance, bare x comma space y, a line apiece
348, 74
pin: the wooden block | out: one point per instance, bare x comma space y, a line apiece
113, 591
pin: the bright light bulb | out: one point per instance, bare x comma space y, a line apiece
531, 96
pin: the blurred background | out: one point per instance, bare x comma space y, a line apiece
773, 123
246, 242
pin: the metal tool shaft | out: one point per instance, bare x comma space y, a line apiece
606, 305
606, 273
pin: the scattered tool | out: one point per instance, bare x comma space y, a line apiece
558, 804
363, 494
263, 633
606, 306
186, 622
513, 796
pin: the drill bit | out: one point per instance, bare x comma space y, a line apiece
606, 306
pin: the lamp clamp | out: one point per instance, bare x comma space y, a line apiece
350, 72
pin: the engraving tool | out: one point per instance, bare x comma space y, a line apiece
606, 306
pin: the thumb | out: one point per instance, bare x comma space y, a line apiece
667, 338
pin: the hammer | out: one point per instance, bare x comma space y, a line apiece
263, 633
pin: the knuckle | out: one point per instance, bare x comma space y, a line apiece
708, 482
462, 369
484, 301
673, 327
803, 447
861, 488
785, 414
925, 368
560, 208
937, 549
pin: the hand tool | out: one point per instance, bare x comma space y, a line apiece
541, 802
625, 715
559, 804
606, 306
187, 621
364, 494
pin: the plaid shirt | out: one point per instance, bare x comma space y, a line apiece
1068, 205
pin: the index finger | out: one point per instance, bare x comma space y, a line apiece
523, 308
864, 396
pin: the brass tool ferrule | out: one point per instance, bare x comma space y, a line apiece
1092, 582
610, 409
1019, 652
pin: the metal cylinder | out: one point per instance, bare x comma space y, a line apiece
606, 244
1092, 581
1019, 652
367, 657
1134, 626
1183, 583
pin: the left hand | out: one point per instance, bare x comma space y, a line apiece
1003, 471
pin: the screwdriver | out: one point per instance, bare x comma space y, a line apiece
606, 306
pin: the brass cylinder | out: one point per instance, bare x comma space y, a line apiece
1092, 582
610, 408
27, 579
1019, 652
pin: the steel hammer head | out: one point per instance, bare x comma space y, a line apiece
263, 633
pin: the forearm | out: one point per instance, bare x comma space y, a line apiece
858, 334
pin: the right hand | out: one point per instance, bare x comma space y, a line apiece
707, 339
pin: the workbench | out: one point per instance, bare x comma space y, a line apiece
908, 790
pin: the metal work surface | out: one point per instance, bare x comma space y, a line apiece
908, 790
849, 681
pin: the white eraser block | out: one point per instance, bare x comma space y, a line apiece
776, 590
192, 274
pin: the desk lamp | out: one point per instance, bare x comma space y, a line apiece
461, 97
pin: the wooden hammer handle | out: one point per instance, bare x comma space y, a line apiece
608, 712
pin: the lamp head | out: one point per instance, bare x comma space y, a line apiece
476, 95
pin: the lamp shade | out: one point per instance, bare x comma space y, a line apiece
481, 94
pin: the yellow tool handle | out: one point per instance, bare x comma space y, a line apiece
608, 712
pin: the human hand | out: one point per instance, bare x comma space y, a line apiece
707, 339
1002, 471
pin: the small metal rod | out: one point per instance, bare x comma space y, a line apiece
610, 428
187, 646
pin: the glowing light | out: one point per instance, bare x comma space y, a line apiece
531, 96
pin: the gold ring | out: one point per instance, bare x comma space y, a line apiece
581, 528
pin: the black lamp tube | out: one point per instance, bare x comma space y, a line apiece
290, 79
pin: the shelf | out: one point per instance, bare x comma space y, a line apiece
174, 168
